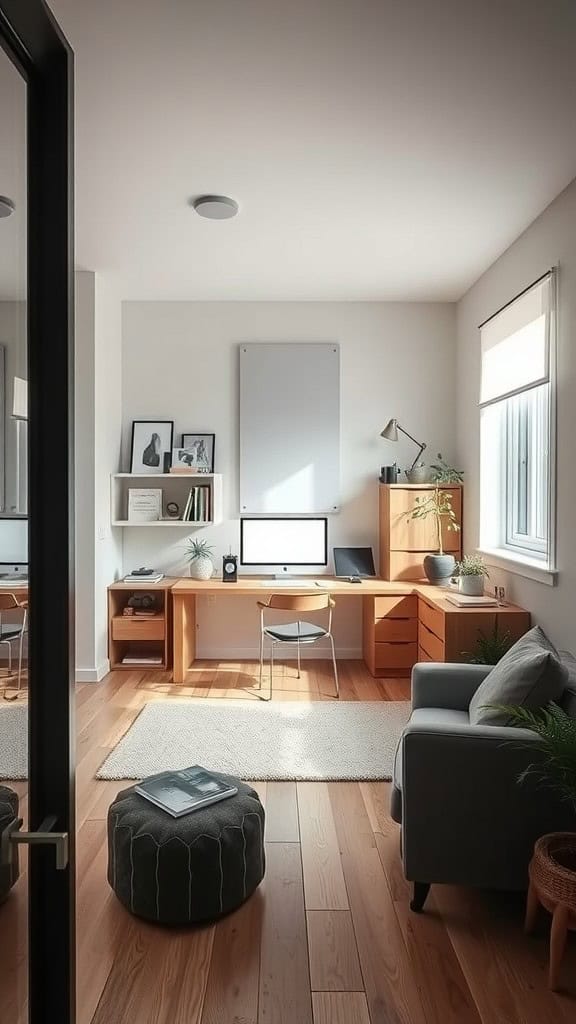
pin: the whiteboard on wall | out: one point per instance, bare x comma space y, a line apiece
289, 428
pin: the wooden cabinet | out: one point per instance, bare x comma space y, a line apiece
140, 638
400, 630
404, 541
448, 633
390, 634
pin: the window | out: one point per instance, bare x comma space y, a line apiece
516, 436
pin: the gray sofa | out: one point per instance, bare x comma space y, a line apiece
465, 818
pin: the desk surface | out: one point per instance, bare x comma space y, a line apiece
252, 586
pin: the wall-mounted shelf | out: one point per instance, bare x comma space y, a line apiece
174, 486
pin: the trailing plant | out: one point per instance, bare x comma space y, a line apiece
437, 504
472, 565
198, 549
444, 473
557, 732
490, 648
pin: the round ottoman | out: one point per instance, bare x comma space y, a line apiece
8, 811
196, 868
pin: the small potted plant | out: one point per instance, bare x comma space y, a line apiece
199, 555
439, 567
471, 575
444, 473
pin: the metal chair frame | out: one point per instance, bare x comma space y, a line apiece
9, 602
296, 602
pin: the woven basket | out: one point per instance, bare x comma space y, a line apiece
553, 868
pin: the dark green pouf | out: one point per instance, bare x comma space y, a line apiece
180, 871
8, 811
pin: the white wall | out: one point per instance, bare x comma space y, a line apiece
13, 336
98, 429
549, 240
180, 361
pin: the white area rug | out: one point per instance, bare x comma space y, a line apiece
13, 742
279, 741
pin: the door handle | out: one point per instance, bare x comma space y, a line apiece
12, 837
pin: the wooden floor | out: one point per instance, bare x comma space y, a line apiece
327, 939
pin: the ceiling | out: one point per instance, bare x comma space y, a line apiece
379, 149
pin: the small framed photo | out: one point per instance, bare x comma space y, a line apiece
200, 448
150, 440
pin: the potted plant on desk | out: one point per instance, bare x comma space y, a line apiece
471, 575
199, 555
439, 567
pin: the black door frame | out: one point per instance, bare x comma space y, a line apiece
33, 40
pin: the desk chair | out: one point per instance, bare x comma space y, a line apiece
296, 632
11, 633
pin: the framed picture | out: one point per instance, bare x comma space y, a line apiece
150, 439
200, 448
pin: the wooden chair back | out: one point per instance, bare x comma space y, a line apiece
8, 601
298, 602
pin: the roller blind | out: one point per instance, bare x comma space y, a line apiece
515, 344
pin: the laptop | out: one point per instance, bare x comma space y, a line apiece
354, 563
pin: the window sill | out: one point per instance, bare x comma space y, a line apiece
501, 558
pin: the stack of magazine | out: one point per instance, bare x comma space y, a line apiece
197, 508
182, 792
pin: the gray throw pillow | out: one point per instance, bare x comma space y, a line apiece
530, 674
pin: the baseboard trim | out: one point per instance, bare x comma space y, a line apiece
253, 653
92, 675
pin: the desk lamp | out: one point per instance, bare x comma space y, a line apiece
390, 432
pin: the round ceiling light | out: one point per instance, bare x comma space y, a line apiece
7, 206
215, 207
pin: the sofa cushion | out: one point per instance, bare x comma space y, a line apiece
530, 674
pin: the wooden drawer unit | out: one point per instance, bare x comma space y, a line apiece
390, 634
432, 618
396, 630
131, 627
146, 642
430, 643
396, 607
390, 657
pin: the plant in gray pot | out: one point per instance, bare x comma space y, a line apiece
471, 575
439, 568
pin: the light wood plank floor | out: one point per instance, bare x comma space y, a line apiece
328, 938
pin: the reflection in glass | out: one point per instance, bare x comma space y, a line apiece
13, 536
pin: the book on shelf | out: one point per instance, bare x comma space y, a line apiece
144, 504
198, 505
142, 659
182, 792
468, 601
146, 580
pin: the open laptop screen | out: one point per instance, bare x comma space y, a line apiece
354, 562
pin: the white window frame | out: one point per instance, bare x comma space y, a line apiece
500, 542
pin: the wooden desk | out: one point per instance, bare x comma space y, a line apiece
402, 622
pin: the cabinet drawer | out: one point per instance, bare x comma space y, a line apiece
408, 534
430, 643
396, 607
432, 619
396, 630
423, 655
395, 655
125, 627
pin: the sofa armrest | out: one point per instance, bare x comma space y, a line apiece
439, 685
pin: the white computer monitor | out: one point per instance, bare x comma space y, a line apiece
280, 543
13, 544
